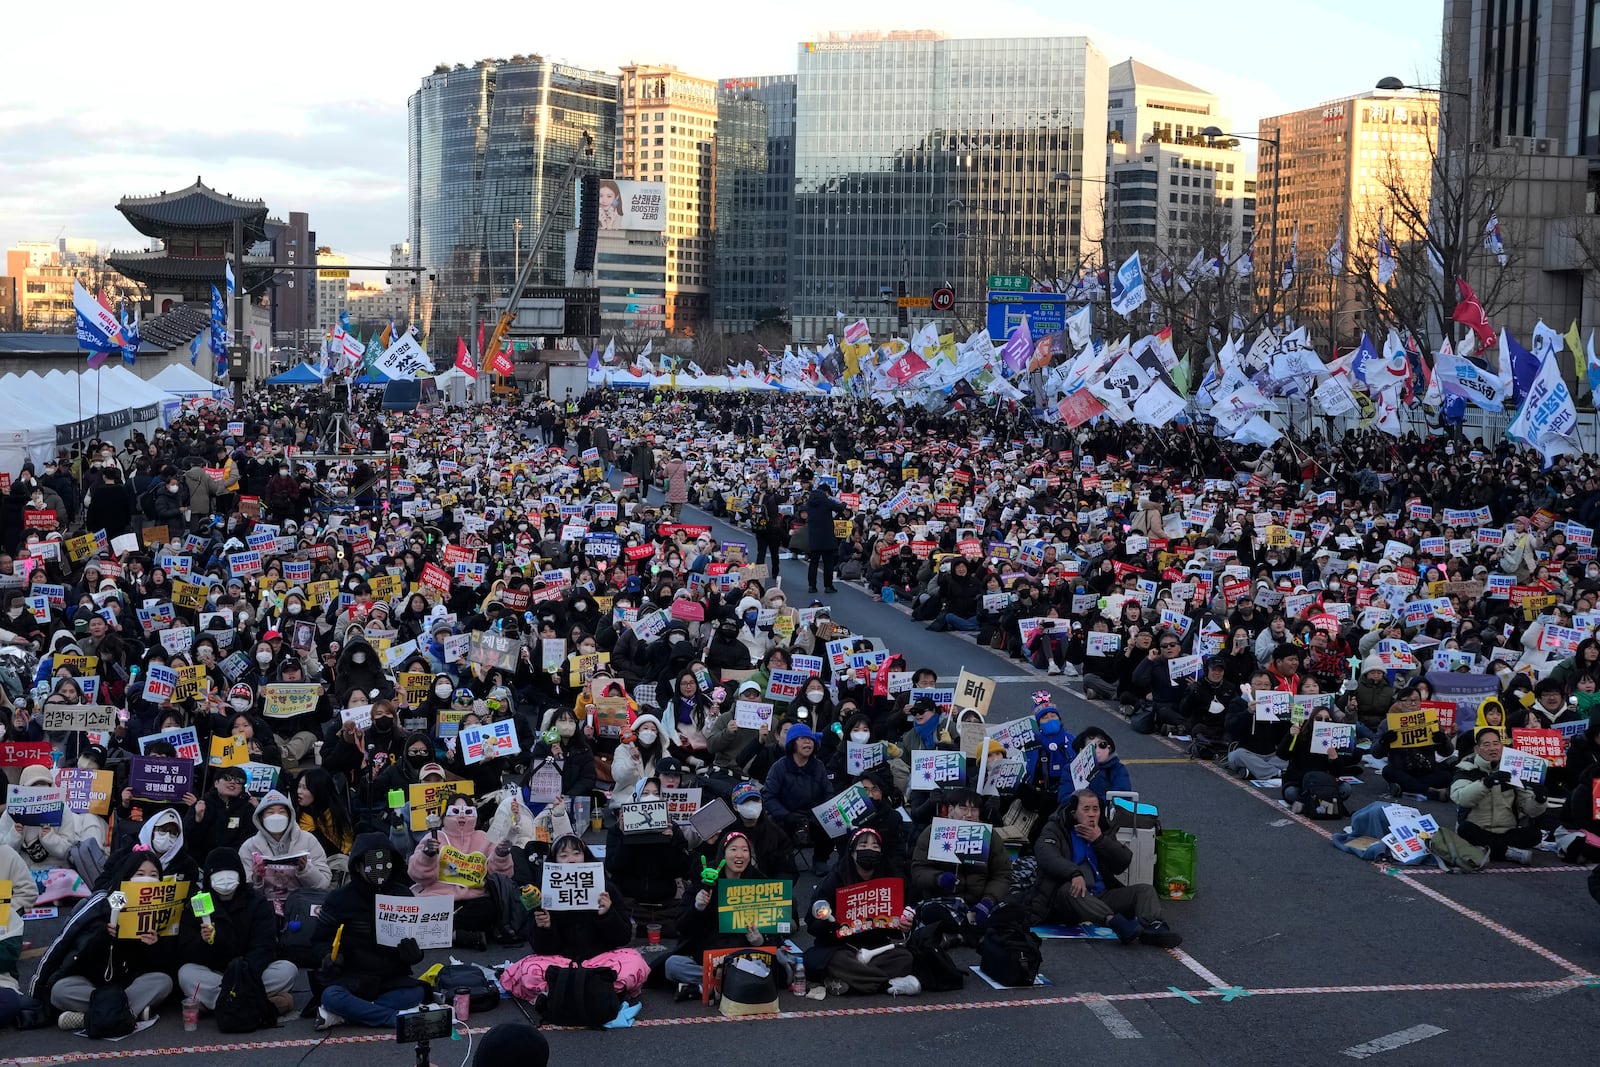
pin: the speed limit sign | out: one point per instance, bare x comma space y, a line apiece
944, 299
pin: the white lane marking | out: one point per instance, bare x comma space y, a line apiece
1002, 679
1113, 1019
1197, 967
1281, 822
1398, 1039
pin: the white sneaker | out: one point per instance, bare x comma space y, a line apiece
1069, 671
904, 987
1052, 669
71, 1021
327, 1020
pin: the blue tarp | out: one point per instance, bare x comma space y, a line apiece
299, 374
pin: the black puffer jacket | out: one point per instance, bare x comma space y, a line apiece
364, 967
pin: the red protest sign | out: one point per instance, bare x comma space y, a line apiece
1446, 711
635, 553
870, 905
434, 577
38, 519
1546, 744
25, 754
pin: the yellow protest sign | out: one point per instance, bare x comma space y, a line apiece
81, 547
1414, 729
285, 700
909, 473
975, 691
1534, 606
228, 752
580, 667
429, 798
841, 528
414, 686
80, 666
191, 681
783, 627
151, 908
5, 903
324, 592
467, 869
1278, 537
384, 586
188, 595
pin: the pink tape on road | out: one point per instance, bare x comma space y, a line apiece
1488, 923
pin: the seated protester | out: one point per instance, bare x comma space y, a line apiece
1426, 771
726, 740
814, 707
1373, 696
241, 926
1052, 646
925, 735
1295, 749
161, 834
1108, 776
869, 961
362, 757
281, 858
795, 784
325, 816
1496, 811
1046, 766
1255, 743
773, 847
592, 939
53, 848
296, 737
981, 885
1153, 681
1079, 859
87, 954
362, 981
456, 860
687, 716
647, 868
636, 759
569, 751
726, 651
1101, 674
24, 893
698, 924
1205, 708
224, 817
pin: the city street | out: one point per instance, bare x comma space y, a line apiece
1293, 952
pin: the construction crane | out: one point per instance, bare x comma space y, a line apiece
584, 156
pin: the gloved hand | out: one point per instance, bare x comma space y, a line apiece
1389, 737
1537, 789
410, 953
1500, 778
947, 881
982, 910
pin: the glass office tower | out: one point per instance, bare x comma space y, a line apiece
755, 198
923, 162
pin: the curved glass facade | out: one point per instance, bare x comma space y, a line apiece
487, 147
923, 162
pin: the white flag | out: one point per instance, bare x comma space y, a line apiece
404, 360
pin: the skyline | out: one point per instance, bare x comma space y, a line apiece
326, 135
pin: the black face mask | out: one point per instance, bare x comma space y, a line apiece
383, 724
868, 859
418, 760
376, 868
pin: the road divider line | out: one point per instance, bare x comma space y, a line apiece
1399, 1039
1205, 973
1488, 923
1110, 1017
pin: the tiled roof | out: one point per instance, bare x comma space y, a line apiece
197, 207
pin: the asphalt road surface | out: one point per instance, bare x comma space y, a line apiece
1293, 953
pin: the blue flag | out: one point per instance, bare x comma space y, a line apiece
194, 349
219, 332
1524, 368
130, 338
227, 271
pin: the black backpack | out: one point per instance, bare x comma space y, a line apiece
242, 1004
579, 996
1319, 796
109, 1014
482, 994
300, 911
1008, 951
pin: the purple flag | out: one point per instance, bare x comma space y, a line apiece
1018, 347
594, 359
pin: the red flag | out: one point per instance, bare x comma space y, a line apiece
907, 367
501, 363
1469, 313
464, 362
480, 335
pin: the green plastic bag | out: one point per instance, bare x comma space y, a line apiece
1175, 859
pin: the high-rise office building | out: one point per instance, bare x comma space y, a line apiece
1339, 164
333, 289
488, 147
1521, 124
755, 200
1175, 190
293, 300
667, 133
922, 162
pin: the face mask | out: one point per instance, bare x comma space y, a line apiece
294, 609
813, 695
276, 823
417, 759
163, 842
441, 691
675, 639
239, 704
358, 657
263, 658
376, 872
225, 883
860, 737
87, 764
566, 729
382, 724
750, 809
144, 878
868, 859
647, 737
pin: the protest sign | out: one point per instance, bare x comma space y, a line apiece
160, 683
490, 740
783, 686
643, 816
260, 778
573, 886
429, 798
999, 776
752, 714
1525, 767
26, 754
1413, 729
35, 805
429, 920
974, 691
150, 908
87, 792
768, 905
159, 779
955, 841
467, 869
228, 751
285, 700
839, 814
1082, 767
869, 905
1332, 737
610, 716
1548, 745
414, 687
681, 803
185, 742
77, 717
860, 757
934, 769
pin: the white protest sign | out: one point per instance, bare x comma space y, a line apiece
1082, 768
1525, 767
752, 714
430, 921
1332, 736
573, 886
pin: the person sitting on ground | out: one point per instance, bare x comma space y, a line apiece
1079, 859
457, 860
1108, 775
796, 784
282, 857
1497, 810
698, 930
866, 961
241, 926
362, 981
1295, 749
981, 884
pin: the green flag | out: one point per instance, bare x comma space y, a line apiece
1180, 375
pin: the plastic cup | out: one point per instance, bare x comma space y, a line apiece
191, 1014
652, 933
595, 822
580, 812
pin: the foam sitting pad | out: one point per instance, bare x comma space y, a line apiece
1087, 931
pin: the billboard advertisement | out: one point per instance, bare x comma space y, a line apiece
1047, 313
626, 205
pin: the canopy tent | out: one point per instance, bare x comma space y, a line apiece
182, 381
374, 376
618, 378
455, 385
25, 432
299, 374
140, 393
116, 415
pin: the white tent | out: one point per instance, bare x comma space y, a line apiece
117, 416
25, 433
180, 380
139, 393
455, 385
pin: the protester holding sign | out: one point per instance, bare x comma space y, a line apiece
981, 878
457, 860
849, 960
21, 894
282, 858
1299, 750
239, 925
698, 928
1106, 774
225, 816
361, 980
1079, 859
1497, 810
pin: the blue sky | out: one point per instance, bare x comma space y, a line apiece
315, 120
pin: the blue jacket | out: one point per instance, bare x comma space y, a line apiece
791, 788
1110, 776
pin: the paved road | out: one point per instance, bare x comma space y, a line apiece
1294, 952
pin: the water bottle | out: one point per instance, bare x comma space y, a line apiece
463, 1004
798, 987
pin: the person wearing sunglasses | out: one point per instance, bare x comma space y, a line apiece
1155, 685
1108, 775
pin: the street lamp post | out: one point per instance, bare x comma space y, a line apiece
1276, 141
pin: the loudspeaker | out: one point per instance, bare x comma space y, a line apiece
588, 222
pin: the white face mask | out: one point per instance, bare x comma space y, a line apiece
358, 657
225, 883
87, 764
566, 729
294, 609
860, 737
276, 823
144, 878
441, 691
814, 695
647, 737
163, 842
750, 809
239, 704
263, 658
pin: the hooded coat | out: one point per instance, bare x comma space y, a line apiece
84, 947
276, 880
245, 925
457, 831
363, 966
